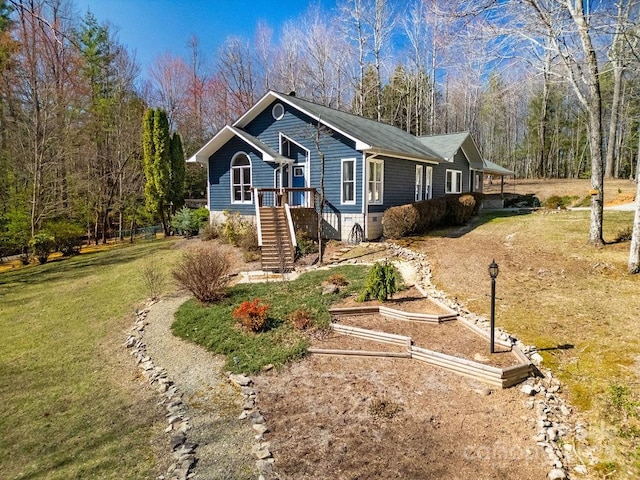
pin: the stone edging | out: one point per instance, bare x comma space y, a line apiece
554, 416
184, 452
251, 412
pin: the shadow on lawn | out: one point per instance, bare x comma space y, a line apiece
480, 219
78, 266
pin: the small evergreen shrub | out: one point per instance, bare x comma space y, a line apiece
186, 222
252, 315
300, 319
306, 244
201, 215
203, 272
382, 282
337, 279
42, 244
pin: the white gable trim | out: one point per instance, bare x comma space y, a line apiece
270, 96
221, 138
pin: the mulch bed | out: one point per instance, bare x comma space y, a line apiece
450, 337
409, 300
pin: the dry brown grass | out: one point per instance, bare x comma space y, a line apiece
616, 191
575, 302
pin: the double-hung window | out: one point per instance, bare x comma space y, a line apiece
241, 179
348, 195
419, 181
453, 181
374, 184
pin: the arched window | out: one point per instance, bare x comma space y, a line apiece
241, 178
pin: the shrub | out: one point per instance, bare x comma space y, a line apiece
555, 202
306, 244
203, 272
400, 221
382, 282
337, 279
460, 208
67, 236
201, 215
232, 228
186, 222
248, 238
252, 315
152, 278
42, 245
521, 201
431, 214
624, 235
209, 231
15, 234
300, 319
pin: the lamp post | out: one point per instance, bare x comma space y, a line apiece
493, 273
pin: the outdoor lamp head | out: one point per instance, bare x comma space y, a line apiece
493, 269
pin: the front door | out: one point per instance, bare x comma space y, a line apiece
298, 180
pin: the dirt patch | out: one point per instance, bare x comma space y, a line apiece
326, 420
409, 300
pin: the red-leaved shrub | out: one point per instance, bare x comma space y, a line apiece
252, 315
301, 319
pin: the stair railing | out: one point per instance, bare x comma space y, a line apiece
258, 203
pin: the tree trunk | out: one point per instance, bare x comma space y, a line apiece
613, 123
634, 251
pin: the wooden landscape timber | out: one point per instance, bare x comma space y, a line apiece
393, 313
495, 376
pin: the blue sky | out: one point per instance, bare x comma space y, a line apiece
153, 27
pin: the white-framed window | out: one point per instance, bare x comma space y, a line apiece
241, 178
428, 184
477, 184
419, 177
277, 111
453, 182
375, 182
348, 175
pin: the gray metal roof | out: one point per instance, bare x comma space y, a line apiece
381, 137
445, 145
495, 169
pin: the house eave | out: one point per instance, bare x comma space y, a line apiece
387, 153
226, 134
270, 96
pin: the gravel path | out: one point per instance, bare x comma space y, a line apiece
213, 403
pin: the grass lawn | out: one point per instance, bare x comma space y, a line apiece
574, 301
71, 405
214, 327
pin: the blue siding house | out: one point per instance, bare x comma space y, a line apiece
283, 148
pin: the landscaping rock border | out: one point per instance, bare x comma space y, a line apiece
183, 451
251, 412
554, 418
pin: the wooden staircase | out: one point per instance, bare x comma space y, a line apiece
277, 252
